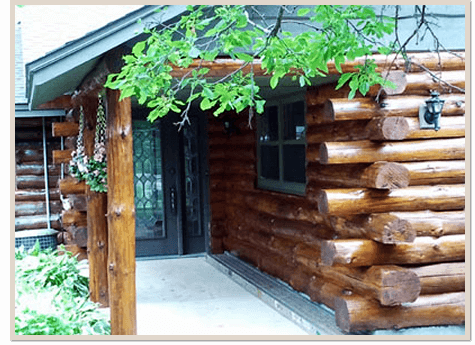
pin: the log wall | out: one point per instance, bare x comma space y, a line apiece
30, 193
379, 236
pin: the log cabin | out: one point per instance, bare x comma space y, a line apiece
349, 202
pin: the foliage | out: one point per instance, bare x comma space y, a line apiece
205, 33
51, 295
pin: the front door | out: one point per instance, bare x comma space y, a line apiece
168, 188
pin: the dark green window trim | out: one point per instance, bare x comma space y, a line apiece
274, 144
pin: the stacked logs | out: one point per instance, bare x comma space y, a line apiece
380, 235
30, 192
73, 215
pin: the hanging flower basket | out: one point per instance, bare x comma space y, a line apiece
78, 163
93, 170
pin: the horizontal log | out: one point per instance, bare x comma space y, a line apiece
74, 218
366, 151
65, 129
283, 246
325, 292
300, 278
317, 95
70, 185
36, 169
78, 202
336, 131
341, 109
31, 208
222, 67
35, 182
31, 154
216, 245
355, 313
436, 172
309, 255
385, 228
441, 278
404, 128
389, 285
61, 102
37, 222
423, 250
436, 224
62, 156
347, 201
77, 235
424, 83
36, 195
244, 250
297, 230
31, 135
284, 206
277, 266
451, 127
380, 175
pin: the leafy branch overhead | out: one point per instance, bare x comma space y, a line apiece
205, 33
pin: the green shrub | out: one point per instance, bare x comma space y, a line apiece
52, 297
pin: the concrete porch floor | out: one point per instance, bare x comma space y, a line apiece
188, 296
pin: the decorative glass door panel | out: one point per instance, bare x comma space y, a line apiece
148, 182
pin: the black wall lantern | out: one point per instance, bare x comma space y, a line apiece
429, 114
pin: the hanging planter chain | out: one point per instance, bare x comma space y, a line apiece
77, 165
91, 169
96, 176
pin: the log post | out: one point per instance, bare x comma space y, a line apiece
121, 216
97, 245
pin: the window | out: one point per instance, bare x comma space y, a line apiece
281, 146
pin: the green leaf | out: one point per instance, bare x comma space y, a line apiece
206, 104
245, 57
138, 48
241, 21
343, 79
352, 94
274, 81
303, 11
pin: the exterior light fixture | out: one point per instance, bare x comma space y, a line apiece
429, 114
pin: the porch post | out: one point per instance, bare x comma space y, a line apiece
121, 216
96, 217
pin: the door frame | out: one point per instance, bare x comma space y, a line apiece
173, 176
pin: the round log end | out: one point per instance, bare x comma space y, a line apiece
342, 314
397, 231
405, 287
322, 201
328, 253
392, 176
398, 77
328, 110
323, 154
395, 128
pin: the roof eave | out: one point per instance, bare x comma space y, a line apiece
81, 54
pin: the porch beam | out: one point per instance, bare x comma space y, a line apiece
121, 216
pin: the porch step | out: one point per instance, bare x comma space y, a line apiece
314, 318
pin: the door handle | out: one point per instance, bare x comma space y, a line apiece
173, 199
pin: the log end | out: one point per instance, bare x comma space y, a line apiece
388, 128
322, 202
398, 231
328, 253
400, 286
343, 315
392, 176
328, 111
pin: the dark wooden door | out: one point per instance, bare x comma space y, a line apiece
168, 189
